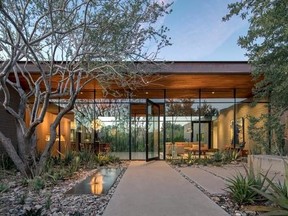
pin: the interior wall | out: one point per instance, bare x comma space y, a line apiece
43, 132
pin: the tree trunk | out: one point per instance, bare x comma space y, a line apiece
20, 165
46, 153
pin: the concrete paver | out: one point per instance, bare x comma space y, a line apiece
225, 171
155, 189
208, 181
228, 171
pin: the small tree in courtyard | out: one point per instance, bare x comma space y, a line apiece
51, 49
266, 43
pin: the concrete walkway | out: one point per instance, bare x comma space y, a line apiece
212, 179
155, 189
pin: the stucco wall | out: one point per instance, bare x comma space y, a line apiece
243, 110
7, 122
214, 134
43, 133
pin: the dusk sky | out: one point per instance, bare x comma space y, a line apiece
198, 33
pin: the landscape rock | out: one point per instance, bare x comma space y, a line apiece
53, 200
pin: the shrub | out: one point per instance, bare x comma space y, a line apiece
240, 187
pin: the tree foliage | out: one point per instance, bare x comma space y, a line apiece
266, 43
51, 49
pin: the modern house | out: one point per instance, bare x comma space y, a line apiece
191, 107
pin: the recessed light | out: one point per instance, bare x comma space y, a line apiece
213, 92
146, 93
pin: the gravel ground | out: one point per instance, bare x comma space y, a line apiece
19, 200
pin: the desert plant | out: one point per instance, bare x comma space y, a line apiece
217, 157
3, 187
86, 156
190, 158
241, 187
103, 159
114, 159
48, 202
22, 198
68, 157
203, 161
37, 183
230, 155
176, 162
277, 193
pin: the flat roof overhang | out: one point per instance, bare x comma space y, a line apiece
181, 79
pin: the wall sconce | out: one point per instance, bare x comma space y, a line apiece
62, 138
47, 138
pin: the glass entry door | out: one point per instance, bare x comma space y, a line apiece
152, 131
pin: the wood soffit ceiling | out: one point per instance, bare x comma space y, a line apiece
184, 79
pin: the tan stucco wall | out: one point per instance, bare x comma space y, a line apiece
226, 116
214, 134
43, 130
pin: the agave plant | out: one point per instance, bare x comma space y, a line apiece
241, 187
277, 193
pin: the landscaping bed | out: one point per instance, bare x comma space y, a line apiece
45, 195
247, 193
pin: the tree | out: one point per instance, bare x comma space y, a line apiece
51, 49
266, 43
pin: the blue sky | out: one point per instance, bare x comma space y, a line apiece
198, 33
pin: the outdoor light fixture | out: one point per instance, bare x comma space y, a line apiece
97, 124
